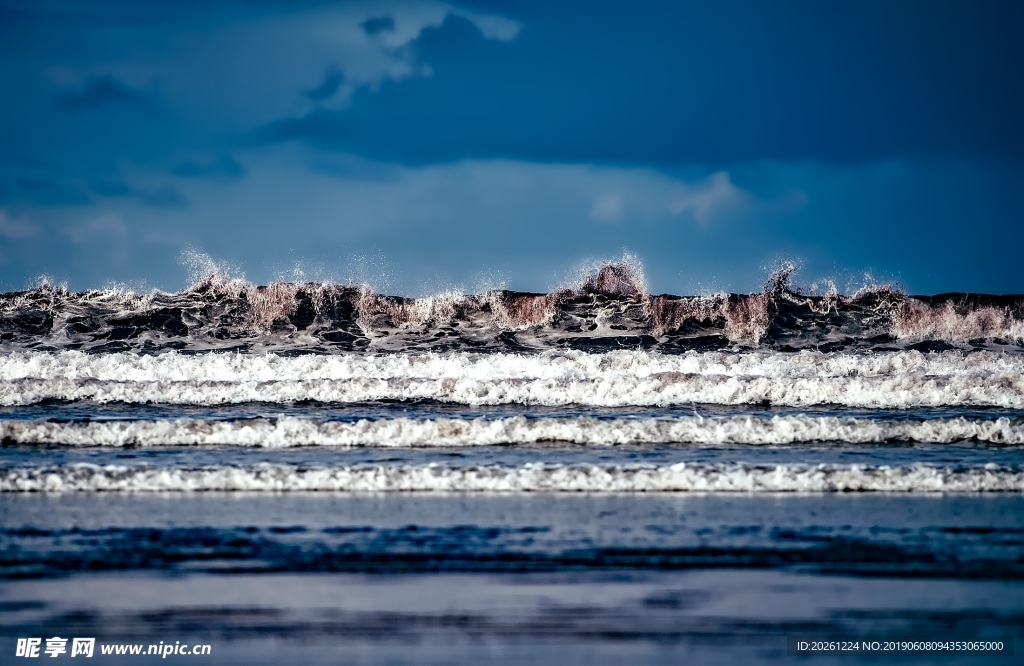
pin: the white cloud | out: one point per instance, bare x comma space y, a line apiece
482, 192
371, 59
108, 224
484, 211
525, 220
492, 27
16, 228
453, 220
635, 194
607, 207
233, 57
105, 239
708, 198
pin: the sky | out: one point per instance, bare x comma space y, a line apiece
427, 146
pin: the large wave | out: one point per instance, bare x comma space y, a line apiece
609, 308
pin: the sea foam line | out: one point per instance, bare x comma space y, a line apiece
898, 392
555, 364
289, 431
891, 380
533, 477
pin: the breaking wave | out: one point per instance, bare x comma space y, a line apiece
896, 380
288, 432
608, 308
532, 477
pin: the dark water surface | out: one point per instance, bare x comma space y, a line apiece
397, 578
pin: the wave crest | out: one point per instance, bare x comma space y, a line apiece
531, 477
290, 432
896, 380
608, 307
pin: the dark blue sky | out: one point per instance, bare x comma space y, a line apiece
424, 146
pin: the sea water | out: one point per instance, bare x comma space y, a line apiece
320, 474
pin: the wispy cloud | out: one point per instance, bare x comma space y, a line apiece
328, 86
644, 194
159, 197
104, 91
106, 239
14, 228
50, 191
368, 49
492, 26
378, 24
707, 198
223, 167
108, 225
607, 207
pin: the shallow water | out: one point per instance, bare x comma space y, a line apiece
304, 578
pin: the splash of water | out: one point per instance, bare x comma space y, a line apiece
608, 305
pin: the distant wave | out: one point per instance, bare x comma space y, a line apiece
289, 432
533, 477
895, 380
608, 309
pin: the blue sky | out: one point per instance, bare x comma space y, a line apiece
424, 146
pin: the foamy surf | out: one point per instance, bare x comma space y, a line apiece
893, 380
531, 477
231, 367
290, 432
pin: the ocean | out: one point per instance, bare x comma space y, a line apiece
320, 474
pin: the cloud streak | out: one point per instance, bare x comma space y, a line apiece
709, 198
223, 167
328, 86
107, 225
48, 191
159, 197
104, 92
15, 228
378, 24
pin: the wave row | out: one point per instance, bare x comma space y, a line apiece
556, 364
288, 432
610, 305
533, 477
659, 390
895, 380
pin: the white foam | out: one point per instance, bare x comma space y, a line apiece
896, 379
287, 432
534, 477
